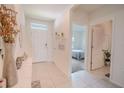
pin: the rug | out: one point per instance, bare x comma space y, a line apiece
36, 84
77, 65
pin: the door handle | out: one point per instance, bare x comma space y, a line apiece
46, 44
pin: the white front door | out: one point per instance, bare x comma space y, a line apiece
39, 43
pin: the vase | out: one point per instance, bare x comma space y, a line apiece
1, 66
9, 68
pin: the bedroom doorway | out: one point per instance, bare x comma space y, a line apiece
101, 47
78, 47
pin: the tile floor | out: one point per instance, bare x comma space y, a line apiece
93, 79
51, 77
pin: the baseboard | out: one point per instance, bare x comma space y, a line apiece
42, 62
116, 83
97, 68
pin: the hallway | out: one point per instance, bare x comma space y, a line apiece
40, 45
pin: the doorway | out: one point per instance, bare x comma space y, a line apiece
41, 41
39, 44
101, 47
78, 47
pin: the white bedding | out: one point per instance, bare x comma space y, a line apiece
78, 54
77, 50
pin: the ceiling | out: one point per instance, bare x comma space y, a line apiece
44, 11
52, 11
88, 7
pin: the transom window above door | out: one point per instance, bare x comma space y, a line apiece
38, 26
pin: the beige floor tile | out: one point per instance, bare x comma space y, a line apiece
93, 79
51, 77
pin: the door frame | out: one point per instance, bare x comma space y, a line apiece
85, 55
50, 32
91, 29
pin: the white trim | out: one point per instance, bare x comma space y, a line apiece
102, 20
112, 49
116, 83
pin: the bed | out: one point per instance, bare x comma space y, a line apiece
78, 54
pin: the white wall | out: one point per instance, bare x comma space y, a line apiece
117, 70
62, 57
19, 50
28, 36
25, 72
116, 14
79, 17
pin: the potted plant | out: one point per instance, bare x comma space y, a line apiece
107, 56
